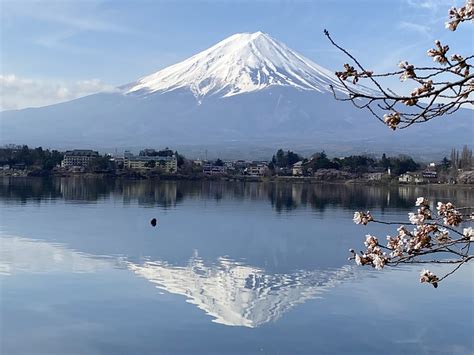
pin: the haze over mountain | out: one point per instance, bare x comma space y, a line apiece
247, 94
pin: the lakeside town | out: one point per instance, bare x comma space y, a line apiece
21, 161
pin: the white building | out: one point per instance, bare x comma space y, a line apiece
168, 164
256, 170
297, 169
78, 157
411, 178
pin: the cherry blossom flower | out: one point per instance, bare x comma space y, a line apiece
415, 218
468, 233
428, 276
358, 260
428, 236
392, 120
362, 217
439, 53
402, 231
452, 217
370, 240
409, 72
457, 16
421, 201
396, 244
410, 246
357, 218
378, 262
443, 235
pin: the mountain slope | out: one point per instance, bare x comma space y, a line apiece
241, 63
248, 93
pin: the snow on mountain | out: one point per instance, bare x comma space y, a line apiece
247, 91
241, 63
235, 294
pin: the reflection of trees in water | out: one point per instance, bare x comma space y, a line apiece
318, 197
28, 189
282, 196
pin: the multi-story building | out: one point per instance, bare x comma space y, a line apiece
168, 164
256, 169
213, 169
78, 157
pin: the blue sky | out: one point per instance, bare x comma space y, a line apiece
53, 51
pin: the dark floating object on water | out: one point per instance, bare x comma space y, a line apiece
153, 222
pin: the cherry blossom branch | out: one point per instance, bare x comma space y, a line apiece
433, 97
429, 237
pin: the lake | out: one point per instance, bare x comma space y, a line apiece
230, 268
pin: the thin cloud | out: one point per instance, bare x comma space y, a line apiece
67, 18
82, 16
17, 93
415, 27
433, 5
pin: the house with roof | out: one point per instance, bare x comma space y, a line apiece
256, 169
210, 169
297, 168
78, 157
411, 178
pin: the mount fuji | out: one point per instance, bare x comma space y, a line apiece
242, 63
249, 94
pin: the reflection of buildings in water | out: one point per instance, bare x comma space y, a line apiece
283, 196
239, 295
80, 189
149, 193
144, 192
408, 193
296, 193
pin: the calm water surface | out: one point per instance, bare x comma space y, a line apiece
231, 268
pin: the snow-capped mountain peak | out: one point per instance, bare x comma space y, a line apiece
241, 63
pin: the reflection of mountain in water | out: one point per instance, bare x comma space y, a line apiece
23, 255
233, 293
240, 295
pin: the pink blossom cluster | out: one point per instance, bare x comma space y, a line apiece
456, 16
350, 72
392, 119
362, 217
427, 236
428, 276
439, 53
452, 217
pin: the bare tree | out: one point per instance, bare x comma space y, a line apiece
440, 90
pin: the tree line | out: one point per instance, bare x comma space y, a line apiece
356, 164
40, 158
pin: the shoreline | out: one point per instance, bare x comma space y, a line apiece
135, 176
